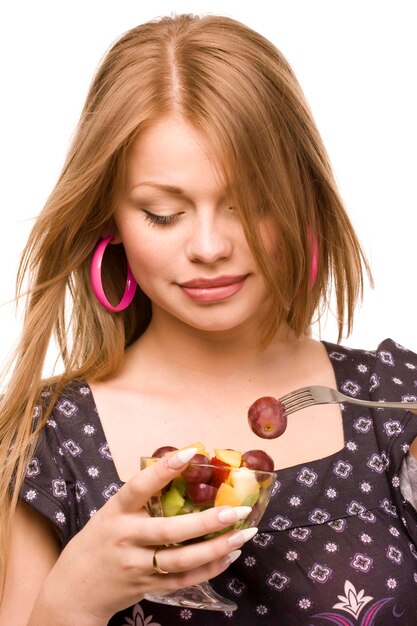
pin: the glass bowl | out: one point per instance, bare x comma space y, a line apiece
199, 487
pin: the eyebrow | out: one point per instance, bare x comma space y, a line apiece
172, 189
167, 188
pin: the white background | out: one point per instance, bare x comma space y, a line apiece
355, 60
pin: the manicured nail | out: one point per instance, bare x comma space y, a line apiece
177, 460
240, 537
233, 514
230, 558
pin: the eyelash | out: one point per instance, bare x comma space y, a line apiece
168, 220
161, 220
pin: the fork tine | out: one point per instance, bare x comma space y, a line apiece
296, 398
297, 406
296, 393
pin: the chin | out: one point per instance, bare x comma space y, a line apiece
221, 326
211, 320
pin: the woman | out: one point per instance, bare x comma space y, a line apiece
197, 172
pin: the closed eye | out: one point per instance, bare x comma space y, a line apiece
161, 220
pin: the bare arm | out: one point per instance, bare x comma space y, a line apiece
33, 552
28, 598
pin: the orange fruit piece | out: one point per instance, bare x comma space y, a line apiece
200, 448
231, 457
150, 461
227, 496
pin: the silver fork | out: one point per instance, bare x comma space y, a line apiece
316, 394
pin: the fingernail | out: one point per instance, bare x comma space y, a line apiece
240, 537
177, 460
233, 514
230, 558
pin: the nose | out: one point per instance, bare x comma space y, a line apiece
210, 239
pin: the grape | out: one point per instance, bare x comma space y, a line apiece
201, 493
258, 460
197, 473
266, 417
163, 450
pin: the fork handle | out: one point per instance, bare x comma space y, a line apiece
405, 406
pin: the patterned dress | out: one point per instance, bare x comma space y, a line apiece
338, 542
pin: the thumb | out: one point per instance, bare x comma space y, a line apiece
136, 492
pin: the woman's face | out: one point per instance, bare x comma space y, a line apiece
184, 242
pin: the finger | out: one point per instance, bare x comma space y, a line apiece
194, 576
136, 492
184, 558
150, 531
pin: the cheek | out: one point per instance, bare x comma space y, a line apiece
138, 244
143, 262
148, 257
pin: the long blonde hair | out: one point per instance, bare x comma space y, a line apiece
237, 89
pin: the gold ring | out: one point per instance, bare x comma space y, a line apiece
155, 566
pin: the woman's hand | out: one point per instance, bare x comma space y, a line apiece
108, 565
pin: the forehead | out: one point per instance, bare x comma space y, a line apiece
172, 153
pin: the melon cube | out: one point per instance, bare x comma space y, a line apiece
245, 485
172, 502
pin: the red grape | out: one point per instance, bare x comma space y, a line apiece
258, 460
201, 493
163, 450
266, 417
197, 473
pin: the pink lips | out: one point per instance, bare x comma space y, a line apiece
212, 289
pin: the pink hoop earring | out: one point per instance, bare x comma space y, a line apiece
314, 251
97, 285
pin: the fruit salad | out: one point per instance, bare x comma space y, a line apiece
227, 478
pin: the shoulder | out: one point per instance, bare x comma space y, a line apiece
395, 372
72, 401
387, 372
388, 352
392, 353
62, 418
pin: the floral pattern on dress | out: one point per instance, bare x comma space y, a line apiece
138, 618
353, 603
337, 543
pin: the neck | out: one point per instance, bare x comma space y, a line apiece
222, 355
